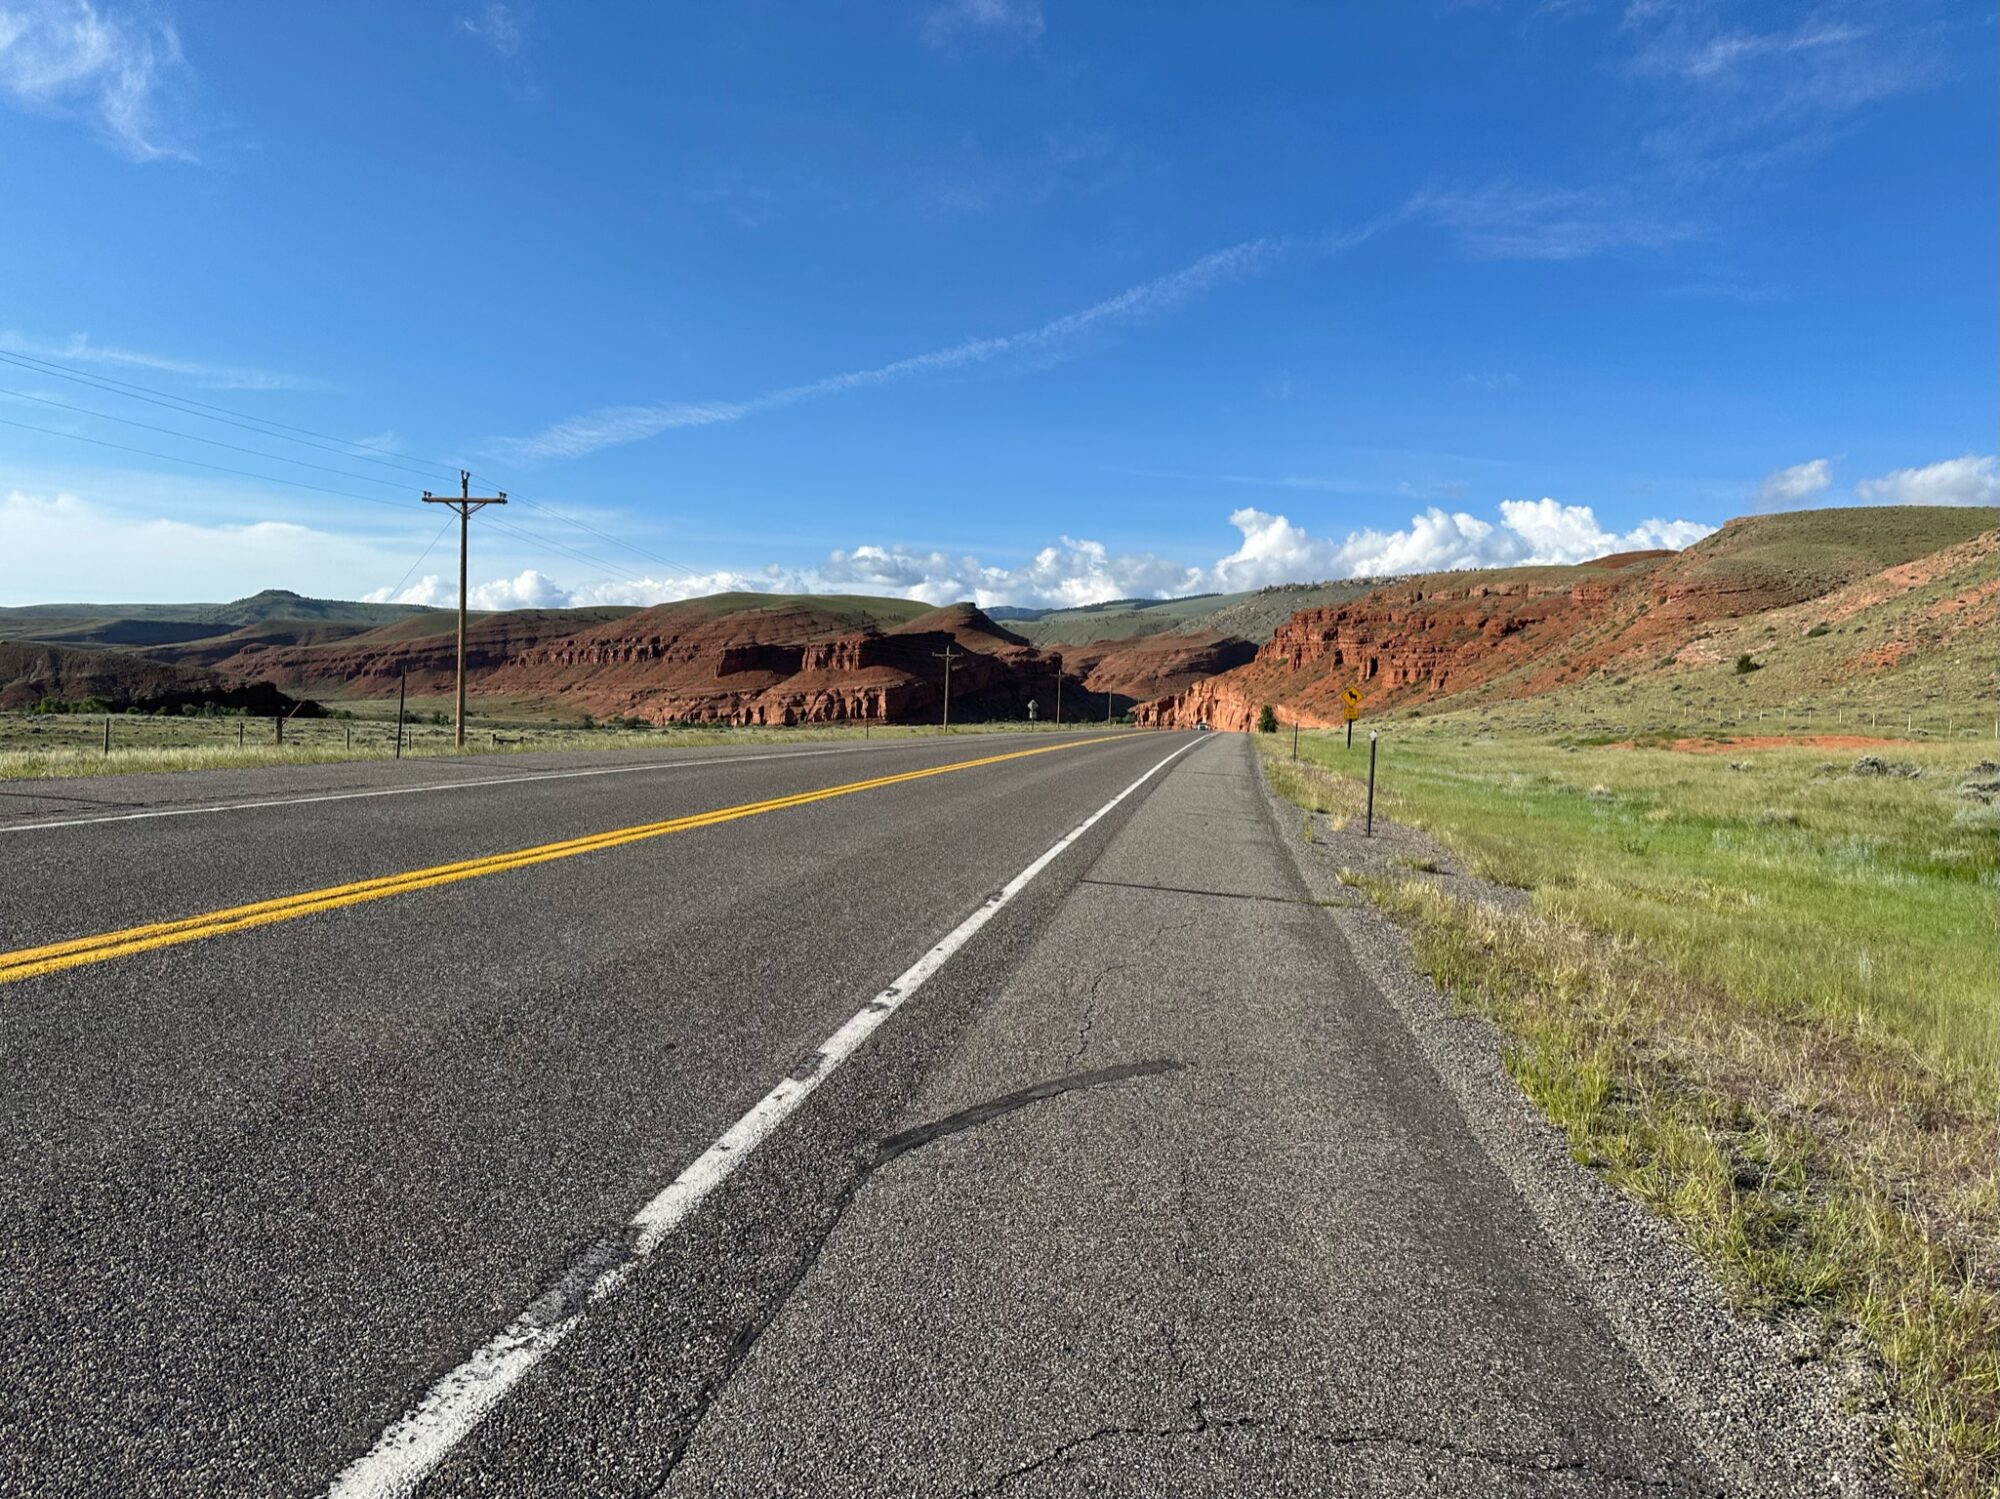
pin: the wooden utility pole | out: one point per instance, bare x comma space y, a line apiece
947, 656
1059, 677
464, 503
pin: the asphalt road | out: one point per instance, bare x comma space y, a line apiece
1133, 1190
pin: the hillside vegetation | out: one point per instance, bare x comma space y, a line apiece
1756, 991
1250, 616
1840, 616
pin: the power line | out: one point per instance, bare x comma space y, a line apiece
264, 427
188, 406
214, 442
241, 473
404, 580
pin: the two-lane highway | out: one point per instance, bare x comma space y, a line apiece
995, 1114
316, 1084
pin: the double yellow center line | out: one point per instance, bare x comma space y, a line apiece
30, 962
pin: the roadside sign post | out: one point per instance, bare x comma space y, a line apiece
1350, 709
1372, 737
402, 687
1031, 710
1295, 739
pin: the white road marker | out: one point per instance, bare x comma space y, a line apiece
405, 1453
472, 785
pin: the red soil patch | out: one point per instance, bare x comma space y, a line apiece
1780, 741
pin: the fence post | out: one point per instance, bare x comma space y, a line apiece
1372, 737
107, 733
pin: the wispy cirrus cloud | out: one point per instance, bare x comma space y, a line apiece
79, 348
1015, 23
613, 425
501, 26
1508, 220
114, 68
1733, 95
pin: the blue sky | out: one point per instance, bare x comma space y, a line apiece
1033, 300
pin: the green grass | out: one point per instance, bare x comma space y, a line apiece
1761, 1000
35, 747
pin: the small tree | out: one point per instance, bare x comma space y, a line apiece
1745, 664
1267, 720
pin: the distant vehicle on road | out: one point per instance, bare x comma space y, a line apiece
1201, 725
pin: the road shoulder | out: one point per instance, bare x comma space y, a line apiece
1771, 1421
1187, 1211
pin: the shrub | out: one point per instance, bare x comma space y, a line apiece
1267, 720
1745, 664
1818, 630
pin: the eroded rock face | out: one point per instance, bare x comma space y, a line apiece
1420, 639
1143, 667
794, 666
1533, 630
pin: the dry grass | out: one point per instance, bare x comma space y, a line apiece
1762, 1001
36, 748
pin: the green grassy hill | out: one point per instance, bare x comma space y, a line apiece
1251, 616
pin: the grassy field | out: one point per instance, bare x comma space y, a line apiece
36, 746
1758, 991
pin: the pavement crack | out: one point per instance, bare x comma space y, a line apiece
1007, 1103
887, 1150
1541, 1463
1276, 900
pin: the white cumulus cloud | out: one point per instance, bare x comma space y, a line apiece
1970, 480
1794, 487
1075, 572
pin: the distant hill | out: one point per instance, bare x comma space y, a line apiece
1904, 599
53, 678
1896, 597
1250, 616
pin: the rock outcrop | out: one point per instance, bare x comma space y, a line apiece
1524, 631
1143, 667
791, 663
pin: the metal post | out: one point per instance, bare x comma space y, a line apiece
107, 733
349, 731
1295, 739
402, 686
1372, 736
277, 728
1350, 733
239, 733
948, 655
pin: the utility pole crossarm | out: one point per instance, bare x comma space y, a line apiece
464, 502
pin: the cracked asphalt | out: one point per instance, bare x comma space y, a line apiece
1147, 1191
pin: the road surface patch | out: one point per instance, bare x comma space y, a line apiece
32, 962
410, 1448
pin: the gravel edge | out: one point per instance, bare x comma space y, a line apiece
1770, 1421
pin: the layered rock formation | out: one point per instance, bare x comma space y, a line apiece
1524, 631
1142, 667
792, 663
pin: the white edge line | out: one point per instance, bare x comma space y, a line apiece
415, 1444
471, 785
